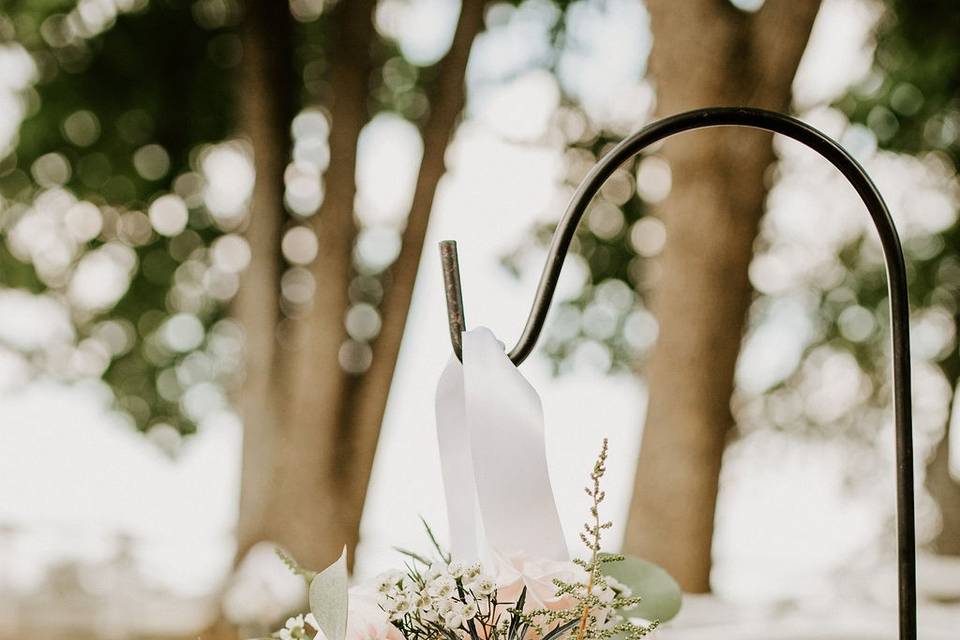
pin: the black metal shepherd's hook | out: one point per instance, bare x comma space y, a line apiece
892, 255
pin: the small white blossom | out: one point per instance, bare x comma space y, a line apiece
436, 570
423, 601
442, 587
623, 590
388, 582
471, 572
399, 607
293, 630
469, 610
458, 615
482, 585
455, 569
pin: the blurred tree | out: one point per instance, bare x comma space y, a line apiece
708, 190
129, 207
910, 104
314, 412
705, 53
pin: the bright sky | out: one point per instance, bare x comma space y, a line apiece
71, 472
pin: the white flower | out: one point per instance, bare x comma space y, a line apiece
482, 585
399, 607
442, 587
471, 572
623, 590
423, 601
436, 570
453, 620
293, 630
455, 569
469, 610
390, 581
458, 615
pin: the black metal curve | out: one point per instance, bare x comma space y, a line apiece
896, 284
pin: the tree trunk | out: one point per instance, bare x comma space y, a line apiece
945, 491
265, 88
705, 53
294, 463
311, 428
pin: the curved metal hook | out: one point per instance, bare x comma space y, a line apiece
892, 254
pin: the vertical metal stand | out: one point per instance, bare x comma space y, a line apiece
892, 255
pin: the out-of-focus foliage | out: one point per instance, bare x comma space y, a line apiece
606, 324
124, 189
909, 104
105, 202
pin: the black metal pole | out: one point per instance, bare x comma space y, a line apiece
892, 255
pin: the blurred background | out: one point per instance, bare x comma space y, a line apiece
222, 320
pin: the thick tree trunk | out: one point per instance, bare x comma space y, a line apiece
945, 491
311, 428
266, 88
293, 490
705, 53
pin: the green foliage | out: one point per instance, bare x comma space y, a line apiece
123, 110
662, 597
605, 604
328, 599
608, 315
439, 598
910, 105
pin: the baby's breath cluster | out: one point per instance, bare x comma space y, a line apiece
442, 600
445, 600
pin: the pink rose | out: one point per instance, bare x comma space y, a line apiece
537, 575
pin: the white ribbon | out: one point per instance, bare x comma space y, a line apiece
493, 457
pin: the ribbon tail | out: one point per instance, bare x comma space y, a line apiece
504, 418
456, 464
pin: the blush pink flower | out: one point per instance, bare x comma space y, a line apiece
515, 572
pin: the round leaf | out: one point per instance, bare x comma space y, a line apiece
660, 592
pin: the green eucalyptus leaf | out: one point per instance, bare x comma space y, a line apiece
660, 592
328, 599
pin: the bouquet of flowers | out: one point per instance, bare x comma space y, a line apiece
507, 575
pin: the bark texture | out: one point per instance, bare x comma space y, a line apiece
945, 490
942, 486
311, 428
705, 53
